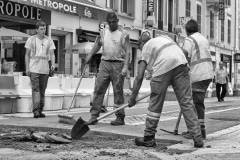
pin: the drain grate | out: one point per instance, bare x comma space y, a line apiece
140, 119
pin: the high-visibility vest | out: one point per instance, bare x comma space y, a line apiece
201, 67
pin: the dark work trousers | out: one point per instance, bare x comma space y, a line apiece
109, 71
199, 92
218, 90
180, 80
39, 85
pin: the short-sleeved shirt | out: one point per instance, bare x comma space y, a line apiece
221, 75
39, 56
113, 44
162, 54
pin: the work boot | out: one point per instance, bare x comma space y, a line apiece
198, 143
103, 109
92, 120
36, 114
147, 141
188, 135
41, 115
119, 120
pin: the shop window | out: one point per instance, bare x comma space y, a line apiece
199, 16
160, 15
127, 7
222, 31
211, 25
188, 8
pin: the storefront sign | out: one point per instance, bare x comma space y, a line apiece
18, 10
12, 9
150, 4
68, 7
56, 5
221, 15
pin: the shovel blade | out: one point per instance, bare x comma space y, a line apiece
79, 129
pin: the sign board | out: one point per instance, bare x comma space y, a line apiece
221, 15
150, 5
237, 58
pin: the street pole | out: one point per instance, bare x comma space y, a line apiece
234, 50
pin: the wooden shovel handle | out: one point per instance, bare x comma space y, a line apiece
122, 107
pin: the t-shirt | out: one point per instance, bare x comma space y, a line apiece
39, 56
162, 54
221, 75
113, 44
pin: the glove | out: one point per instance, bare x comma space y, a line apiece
131, 102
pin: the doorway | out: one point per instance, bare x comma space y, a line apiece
56, 41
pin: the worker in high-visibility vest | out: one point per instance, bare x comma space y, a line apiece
201, 69
168, 65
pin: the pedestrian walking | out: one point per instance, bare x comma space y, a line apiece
201, 69
221, 79
168, 64
113, 67
39, 48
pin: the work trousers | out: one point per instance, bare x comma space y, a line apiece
180, 80
109, 71
39, 85
199, 92
218, 90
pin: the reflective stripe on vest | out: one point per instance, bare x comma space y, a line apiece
160, 50
199, 60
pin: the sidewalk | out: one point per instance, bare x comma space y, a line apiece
222, 142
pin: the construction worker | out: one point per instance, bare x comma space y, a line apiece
113, 67
201, 69
168, 64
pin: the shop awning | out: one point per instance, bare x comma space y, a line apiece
81, 48
12, 36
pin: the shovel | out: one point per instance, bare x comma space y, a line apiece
175, 132
81, 126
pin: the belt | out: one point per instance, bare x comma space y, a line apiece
113, 61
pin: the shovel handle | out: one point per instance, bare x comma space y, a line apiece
122, 107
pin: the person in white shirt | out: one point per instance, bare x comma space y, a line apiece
168, 64
38, 50
221, 80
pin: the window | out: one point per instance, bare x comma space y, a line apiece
160, 14
124, 6
229, 31
228, 2
199, 13
188, 8
222, 31
109, 4
127, 6
211, 24
170, 15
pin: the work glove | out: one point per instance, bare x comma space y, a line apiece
131, 102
